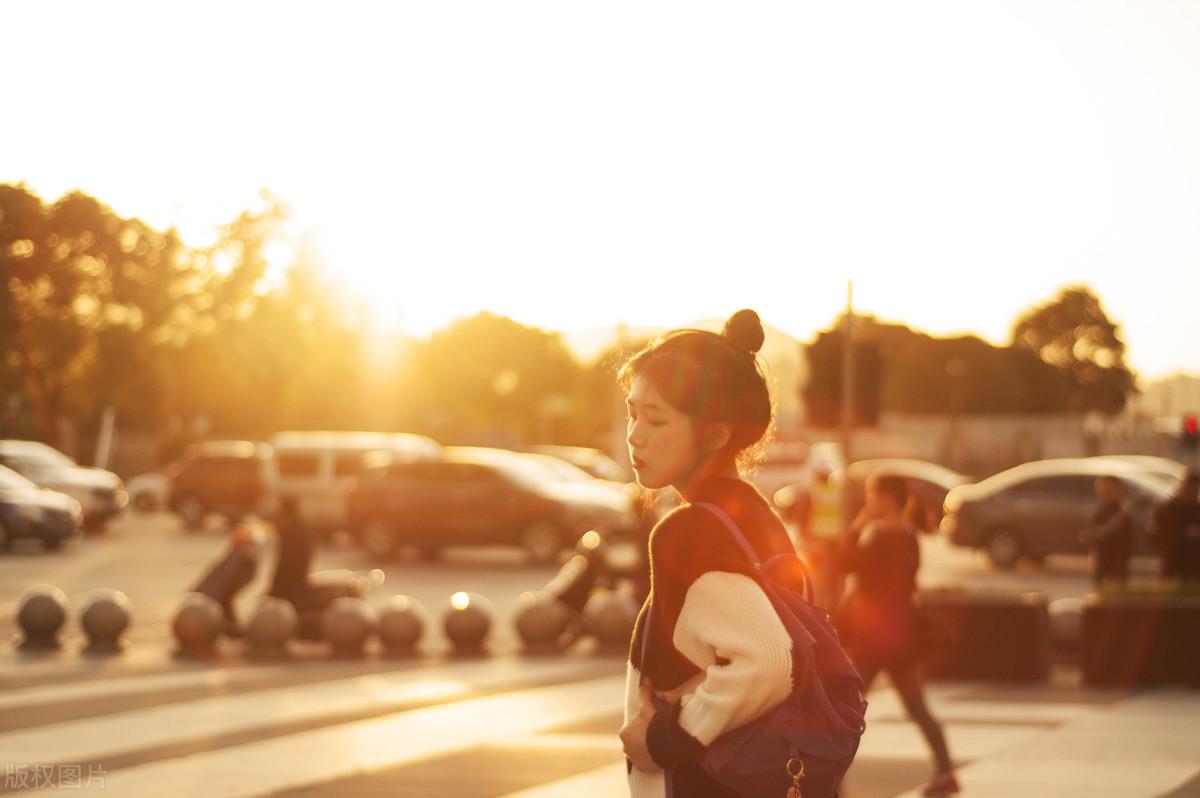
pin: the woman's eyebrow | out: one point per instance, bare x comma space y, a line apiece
645, 406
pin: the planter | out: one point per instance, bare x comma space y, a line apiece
1141, 640
995, 636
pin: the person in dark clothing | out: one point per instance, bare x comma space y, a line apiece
878, 619
1177, 529
1110, 534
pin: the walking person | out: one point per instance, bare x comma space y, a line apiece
709, 653
879, 619
1177, 529
1109, 532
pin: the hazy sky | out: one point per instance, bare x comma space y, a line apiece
574, 165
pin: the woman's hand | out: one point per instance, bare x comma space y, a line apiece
633, 732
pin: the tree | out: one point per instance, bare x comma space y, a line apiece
898, 369
487, 376
87, 298
1073, 332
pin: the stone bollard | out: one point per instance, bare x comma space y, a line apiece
105, 617
197, 625
273, 626
467, 622
347, 624
41, 613
402, 623
609, 616
541, 621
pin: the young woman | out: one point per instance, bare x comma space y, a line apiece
708, 648
878, 619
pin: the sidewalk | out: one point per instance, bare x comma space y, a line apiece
527, 727
1056, 740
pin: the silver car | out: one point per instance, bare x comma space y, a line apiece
100, 493
1039, 508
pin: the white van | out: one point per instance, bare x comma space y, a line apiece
314, 469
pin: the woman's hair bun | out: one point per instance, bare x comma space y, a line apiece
744, 330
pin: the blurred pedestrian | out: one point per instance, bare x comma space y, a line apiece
709, 653
1109, 533
1177, 530
878, 617
821, 531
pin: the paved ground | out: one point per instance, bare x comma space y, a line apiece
146, 724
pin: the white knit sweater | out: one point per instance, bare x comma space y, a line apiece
728, 629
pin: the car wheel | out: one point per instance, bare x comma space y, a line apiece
5, 538
145, 503
193, 513
1003, 548
542, 541
378, 538
52, 544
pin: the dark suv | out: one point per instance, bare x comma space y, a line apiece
478, 497
229, 478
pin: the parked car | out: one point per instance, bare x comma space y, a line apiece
100, 493
593, 461
27, 511
927, 483
476, 496
569, 472
1038, 508
313, 469
230, 478
1170, 471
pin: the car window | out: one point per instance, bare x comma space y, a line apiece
348, 464
1073, 486
298, 464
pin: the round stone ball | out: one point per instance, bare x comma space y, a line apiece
106, 615
540, 619
402, 623
468, 621
347, 624
274, 624
198, 622
609, 616
41, 613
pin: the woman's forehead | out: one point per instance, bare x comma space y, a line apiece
642, 392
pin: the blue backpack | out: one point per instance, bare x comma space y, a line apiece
802, 748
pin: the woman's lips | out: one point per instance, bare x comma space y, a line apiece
637, 463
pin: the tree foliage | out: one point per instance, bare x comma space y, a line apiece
1072, 332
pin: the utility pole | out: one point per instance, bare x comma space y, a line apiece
847, 396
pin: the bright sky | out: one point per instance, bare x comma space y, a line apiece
574, 165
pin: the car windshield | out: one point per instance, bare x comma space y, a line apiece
11, 480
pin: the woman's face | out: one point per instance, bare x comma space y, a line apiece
662, 440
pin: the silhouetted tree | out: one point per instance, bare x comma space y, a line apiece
1073, 332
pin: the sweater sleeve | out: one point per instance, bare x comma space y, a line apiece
728, 624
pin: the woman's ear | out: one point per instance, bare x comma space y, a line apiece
718, 437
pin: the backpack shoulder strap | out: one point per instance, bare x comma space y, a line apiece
733, 528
